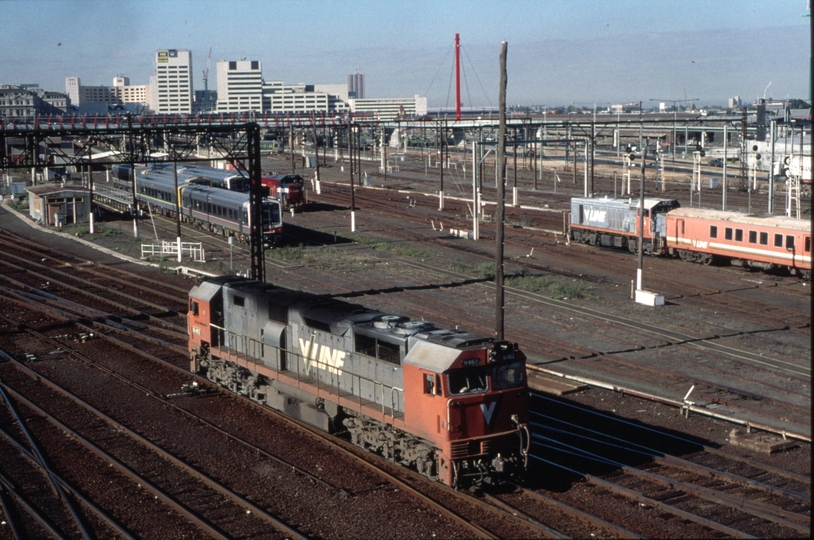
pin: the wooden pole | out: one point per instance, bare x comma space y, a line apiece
501, 193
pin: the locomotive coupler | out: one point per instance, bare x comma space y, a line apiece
499, 464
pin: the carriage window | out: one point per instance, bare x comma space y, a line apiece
728, 233
778, 240
764, 239
789, 241
738, 235
713, 231
468, 381
753, 237
808, 244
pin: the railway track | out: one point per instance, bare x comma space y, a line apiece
158, 480
718, 490
440, 280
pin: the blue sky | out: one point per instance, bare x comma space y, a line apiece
559, 52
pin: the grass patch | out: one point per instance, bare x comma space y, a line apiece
545, 285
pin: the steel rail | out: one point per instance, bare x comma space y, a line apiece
55, 485
734, 533
220, 488
65, 485
9, 487
685, 406
757, 509
579, 514
668, 460
804, 479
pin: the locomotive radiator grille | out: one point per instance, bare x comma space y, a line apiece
471, 448
463, 449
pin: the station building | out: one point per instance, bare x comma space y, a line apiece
58, 206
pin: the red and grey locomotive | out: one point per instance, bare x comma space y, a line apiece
451, 404
693, 234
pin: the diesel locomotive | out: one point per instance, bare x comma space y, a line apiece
699, 235
450, 404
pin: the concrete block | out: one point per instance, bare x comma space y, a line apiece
649, 298
760, 441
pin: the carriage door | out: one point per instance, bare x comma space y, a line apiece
679, 229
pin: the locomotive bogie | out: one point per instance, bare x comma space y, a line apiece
444, 402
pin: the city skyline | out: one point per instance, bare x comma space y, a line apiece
628, 52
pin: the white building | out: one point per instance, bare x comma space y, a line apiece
172, 83
240, 86
390, 109
121, 92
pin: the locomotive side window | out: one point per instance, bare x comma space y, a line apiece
778, 240
239, 301
728, 233
431, 384
753, 237
193, 308
789, 241
468, 381
738, 235
764, 239
713, 231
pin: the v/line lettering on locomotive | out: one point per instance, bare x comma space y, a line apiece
330, 359
448, 403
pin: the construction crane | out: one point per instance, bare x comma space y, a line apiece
206, 72
207, 101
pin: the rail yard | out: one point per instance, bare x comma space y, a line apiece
688, 419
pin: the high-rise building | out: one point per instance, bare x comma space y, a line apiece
172, 90
72, 86
356, 85
240, 85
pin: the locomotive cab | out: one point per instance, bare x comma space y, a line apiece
472, 404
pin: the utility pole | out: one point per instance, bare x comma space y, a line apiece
501, 165
641, 224
133, 175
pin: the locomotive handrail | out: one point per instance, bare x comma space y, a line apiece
252, 350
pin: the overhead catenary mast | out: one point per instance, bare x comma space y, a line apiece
457, 77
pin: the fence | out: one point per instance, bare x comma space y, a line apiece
191, 250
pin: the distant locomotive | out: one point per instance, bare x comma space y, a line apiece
693, 234
451, 404
216, 209
289, 189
